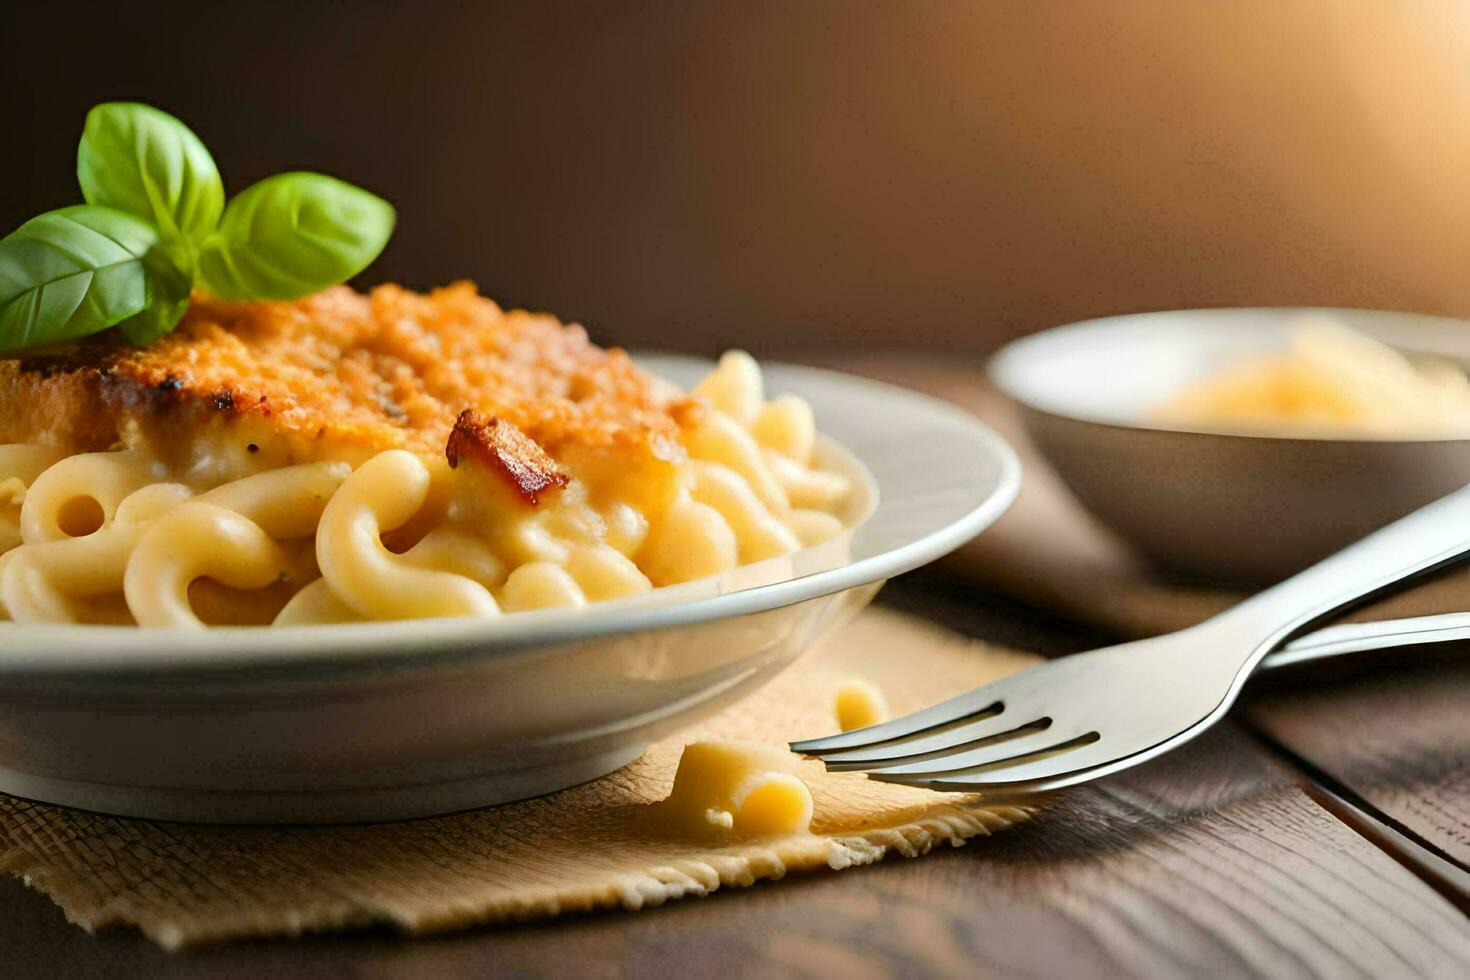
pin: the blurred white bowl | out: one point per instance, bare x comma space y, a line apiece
1219, 506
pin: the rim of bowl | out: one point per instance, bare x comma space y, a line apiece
129, 654
1009, 362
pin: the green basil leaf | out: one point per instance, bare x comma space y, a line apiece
294, 234
137, 159
168, 298
72, 272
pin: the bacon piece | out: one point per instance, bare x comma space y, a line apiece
506, 451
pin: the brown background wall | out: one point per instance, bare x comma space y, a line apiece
778, 174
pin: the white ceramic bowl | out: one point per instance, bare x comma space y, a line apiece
394, 720
1219, 506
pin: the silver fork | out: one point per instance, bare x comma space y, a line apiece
1382, 635
1077, 718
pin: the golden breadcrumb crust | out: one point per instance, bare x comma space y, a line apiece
339, 375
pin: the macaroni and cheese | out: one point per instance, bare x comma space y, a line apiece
391, 456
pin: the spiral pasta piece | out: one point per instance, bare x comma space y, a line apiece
196, 540
20, 464
626, 528
808, 488
717, 439
815, 526
785, 425
459, 551
106, 479
286, 503
375, 583
691, 541
541, 585
602, 572
315, 604
758, 535
48, 582
734, 387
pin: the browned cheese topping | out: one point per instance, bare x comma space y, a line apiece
342, 375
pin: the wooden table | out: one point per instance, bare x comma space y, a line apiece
1323, 831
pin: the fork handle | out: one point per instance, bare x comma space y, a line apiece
1385, 634
1431, 537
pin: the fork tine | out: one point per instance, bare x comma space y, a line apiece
1005, 691
972, 703
994, 722
1033, 772
1050, 739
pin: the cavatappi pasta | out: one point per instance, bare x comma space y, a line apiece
112, 537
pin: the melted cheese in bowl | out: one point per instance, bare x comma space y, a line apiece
1331, 381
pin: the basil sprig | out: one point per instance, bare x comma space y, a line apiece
137, 159
72, 272
290, 234
156, 225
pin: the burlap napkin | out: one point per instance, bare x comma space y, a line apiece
588, 847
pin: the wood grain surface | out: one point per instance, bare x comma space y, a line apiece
1397, 734
1213, 861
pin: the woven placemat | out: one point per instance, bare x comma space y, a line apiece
589, 847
